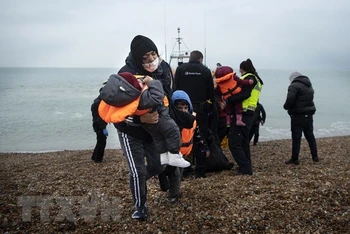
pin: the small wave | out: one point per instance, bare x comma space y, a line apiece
77, 116
59, 112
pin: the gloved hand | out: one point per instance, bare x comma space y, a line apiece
105, 132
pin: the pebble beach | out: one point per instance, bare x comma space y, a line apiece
46, 193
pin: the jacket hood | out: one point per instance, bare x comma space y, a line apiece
303, 79
293, 76
182, 95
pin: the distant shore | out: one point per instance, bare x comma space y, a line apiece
311, 197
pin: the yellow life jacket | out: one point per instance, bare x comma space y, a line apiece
252, 102
187, 139
228, 86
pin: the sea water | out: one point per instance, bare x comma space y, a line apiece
48, 109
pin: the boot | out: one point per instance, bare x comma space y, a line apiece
239, 121
164, 158
177, 160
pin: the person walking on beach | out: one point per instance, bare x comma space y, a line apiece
197, 81
99, 126
125, 95
301, 108
135, 142
259, 118
239, 135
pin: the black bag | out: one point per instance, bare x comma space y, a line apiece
217, 160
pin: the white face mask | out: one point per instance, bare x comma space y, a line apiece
151, 67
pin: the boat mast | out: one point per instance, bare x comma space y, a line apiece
179, 54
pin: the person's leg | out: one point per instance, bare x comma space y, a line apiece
252, 132
309, 135
239, 112
167, 138
174, 175
201, 162
256, 134
235, 138
99, 150
248, 119
221, 130
133, 151
296, 128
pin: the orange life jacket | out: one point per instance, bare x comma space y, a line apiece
187, 139
113, 114
228, 86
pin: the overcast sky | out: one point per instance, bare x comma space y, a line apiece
278, 34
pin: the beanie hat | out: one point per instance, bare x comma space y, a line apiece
130, 78
141, 45
293, 76
223, 71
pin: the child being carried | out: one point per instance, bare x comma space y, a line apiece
124, 95
230, 84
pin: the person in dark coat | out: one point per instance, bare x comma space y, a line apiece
239, 135
259, 118
196, 80
135, 141
101, 131
301, 108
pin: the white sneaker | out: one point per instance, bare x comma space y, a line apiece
177, 160
164, 158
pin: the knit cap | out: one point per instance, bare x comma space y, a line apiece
223, 71
130, 78
141, 45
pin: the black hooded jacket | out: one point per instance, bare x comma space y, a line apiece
300, 97
164, 75
196, 80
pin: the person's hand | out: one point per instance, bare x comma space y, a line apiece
207, 154
222, 105
150, 118
105, 132
262, 122
147, 79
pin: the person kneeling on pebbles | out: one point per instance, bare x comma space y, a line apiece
125, 95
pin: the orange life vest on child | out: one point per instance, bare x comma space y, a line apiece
187, 139
228, 86
113, 114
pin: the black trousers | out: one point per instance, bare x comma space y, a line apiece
254, 132
303, 124
203, 123
99, 150
239, 143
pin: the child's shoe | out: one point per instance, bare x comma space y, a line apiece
239, 121
164, 158
177, 160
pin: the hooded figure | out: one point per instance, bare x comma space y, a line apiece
293, 76
300, 97
301, 108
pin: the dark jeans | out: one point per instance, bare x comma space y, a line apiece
239, 143
202, 119
222, 128
303, 124
200, 161
135, 151
254, 132
99, 150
